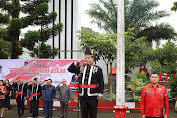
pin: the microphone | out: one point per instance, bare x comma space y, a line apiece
85, 64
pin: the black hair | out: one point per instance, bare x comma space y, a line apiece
46, 80
154, 73
2, 81
50, 80
0, 66
35, 78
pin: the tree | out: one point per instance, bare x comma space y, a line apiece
174, 8
137, 51
5, 46
104, 46
138, 14
4, 19
165, 59
38, 15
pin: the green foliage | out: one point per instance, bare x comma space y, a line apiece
174, 8
137, 51
14, 27
138, 14
173, 86
157, 32
136, 85
38, 15
5, 45
142, 76
165, 59
4, 49
104, 45
113, 99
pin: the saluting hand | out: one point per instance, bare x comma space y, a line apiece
80, 60
53, 100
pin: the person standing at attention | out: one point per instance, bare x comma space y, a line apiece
34, 98
65, 98
154, 99
50, 94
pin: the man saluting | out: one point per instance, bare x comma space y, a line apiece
20, 94
91, 84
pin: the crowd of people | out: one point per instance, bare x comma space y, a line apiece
154, 97
34, 91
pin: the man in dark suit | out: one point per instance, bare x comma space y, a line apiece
91, 84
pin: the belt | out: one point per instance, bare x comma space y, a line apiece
34, 94
19, 93
88, 86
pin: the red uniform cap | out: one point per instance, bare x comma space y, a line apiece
21, 77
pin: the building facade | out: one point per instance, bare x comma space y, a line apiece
68, 12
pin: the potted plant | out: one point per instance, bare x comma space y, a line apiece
136, 85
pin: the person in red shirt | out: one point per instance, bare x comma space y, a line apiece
2, 98
154, 99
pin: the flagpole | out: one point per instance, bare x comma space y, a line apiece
120, 108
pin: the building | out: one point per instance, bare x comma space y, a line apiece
69, 14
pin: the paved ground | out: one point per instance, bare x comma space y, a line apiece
13, 114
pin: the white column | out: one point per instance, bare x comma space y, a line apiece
120, 78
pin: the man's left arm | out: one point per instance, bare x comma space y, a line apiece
54, 92
40, 91
166, 103
100, 83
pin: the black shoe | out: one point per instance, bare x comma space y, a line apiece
19, 115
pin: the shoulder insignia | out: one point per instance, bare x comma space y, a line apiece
95, 69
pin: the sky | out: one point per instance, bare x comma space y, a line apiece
164, 5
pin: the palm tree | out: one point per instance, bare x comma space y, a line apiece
138, 13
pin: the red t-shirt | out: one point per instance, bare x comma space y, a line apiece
2, 88
154, 100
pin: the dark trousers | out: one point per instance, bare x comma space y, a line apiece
89, 107
31, 108
20, 104
64, 109
35, 104
44, 105
48, 109
7, 101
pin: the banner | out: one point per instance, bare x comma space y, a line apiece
43, 69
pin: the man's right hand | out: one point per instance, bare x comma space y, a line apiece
80, 60
143, 116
